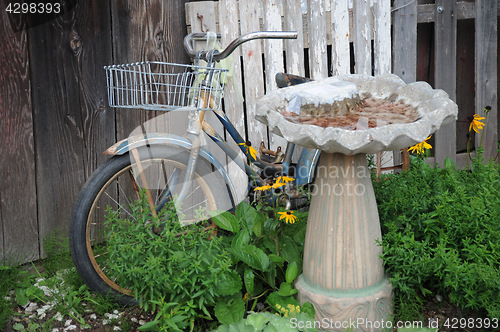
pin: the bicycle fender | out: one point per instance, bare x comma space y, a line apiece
138, 141
306, 165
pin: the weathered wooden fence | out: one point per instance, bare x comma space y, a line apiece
451, 44
54, 118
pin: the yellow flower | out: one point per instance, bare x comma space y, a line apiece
476, 124
266, 187
250, 149
284, 179
278, 185
289, 217
245, 297
421, 147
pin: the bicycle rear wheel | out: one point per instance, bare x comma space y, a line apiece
116, 185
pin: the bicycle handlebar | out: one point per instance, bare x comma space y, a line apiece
217, 56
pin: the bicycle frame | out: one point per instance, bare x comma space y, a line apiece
199, 103
307, 160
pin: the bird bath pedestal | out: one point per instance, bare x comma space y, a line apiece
343, 276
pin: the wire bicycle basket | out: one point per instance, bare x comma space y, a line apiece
163, 86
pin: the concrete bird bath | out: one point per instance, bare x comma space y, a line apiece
347, 117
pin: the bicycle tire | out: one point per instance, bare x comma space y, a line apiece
86, 247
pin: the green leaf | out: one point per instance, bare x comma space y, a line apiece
290, 250
247, 214
18, 327
308, 308
270, 225
258, 227
291, 272
21, 297
449, 164
241, 238
252, 256
277, 259
286, 289
248, 278
226, 221
230, 312
229, 283
150, 326
258, 321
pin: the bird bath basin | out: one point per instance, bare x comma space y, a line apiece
347, 117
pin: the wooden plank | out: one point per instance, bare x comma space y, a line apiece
18, 214
72, 126
204, 17
465, 10
382, 63
233, 96
152, 30
486, 73
382, 37
445, 46
317, 39
252, 67
465, 81
404, 45
362, 37
305, 19
341, 60
294, 48
273, 57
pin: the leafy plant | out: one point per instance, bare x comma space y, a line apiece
266, 321
8, 278
179, 270
440, 235
267, 255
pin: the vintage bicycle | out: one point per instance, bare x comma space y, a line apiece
164, 167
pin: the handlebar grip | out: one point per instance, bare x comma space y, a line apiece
237, 42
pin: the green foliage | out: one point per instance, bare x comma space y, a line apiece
266, 255
8, 279
266, 321
441, 235
156, 258
56, 246
189, 274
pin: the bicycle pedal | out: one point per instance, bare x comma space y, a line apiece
273, 157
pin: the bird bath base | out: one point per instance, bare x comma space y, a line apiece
343, 274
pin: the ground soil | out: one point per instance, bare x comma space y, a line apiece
130, 319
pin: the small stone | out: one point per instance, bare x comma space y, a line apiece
67, 323
71, 327
133, 320
142, 322
116, 328
31, 307
58, 317
93, 316
439, 298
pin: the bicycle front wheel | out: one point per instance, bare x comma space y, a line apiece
116, 185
